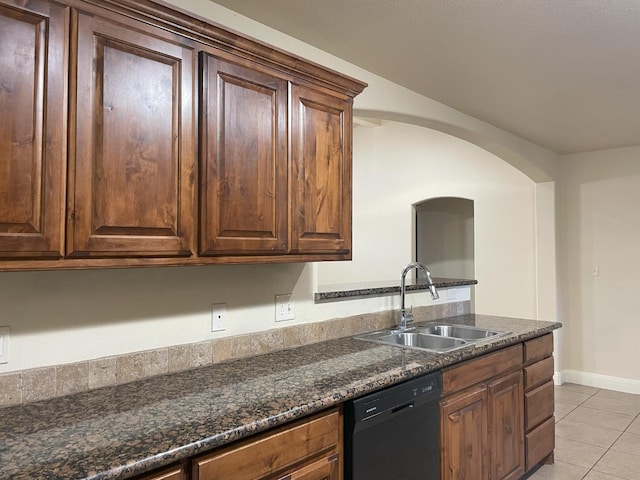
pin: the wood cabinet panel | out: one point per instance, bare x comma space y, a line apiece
33, 78
131, 187
506, 427
540, 442
327, 468
538, 373
176, 472
539, 400
243, 153
539, 404
464, 429
481, 369
538, 348
97, 153
274, 452
320, 183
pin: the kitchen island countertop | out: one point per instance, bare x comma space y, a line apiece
118, 432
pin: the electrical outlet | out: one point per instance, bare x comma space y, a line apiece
4, 344
451, 293
218, 317
285, 307
595, 270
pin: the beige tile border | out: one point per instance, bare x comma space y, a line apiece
32, 385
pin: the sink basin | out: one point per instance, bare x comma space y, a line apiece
422, 340
439, 338
459, 331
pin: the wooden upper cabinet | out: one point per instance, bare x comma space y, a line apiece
320, 183
132, 160
243, 160
102, 163
33, 66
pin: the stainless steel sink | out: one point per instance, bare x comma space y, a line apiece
458, 331
440, 337
422, 340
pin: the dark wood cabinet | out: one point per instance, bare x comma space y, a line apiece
243, 160
309, 449
321, 127
482, 433
132, 134
33, 139
132, 161
539, 400
506, 426
175, 472
464, 435
327, 468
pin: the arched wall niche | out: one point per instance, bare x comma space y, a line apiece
444, 236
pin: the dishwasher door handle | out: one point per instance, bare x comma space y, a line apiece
402, 408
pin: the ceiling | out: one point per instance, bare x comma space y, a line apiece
564, 74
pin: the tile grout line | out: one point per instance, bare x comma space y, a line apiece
590, 469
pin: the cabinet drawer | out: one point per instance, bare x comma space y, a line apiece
327, 468
481, 369
540, 442
538, 373
271, 452
176, 472
538, 405
538, 348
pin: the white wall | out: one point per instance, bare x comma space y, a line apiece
67, 316
397, 165
599, 213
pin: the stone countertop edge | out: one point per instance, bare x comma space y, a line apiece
122, 431
347, 292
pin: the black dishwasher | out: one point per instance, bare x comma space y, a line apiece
394, 434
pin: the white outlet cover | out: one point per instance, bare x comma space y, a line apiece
218, 317
285, 307
4, 344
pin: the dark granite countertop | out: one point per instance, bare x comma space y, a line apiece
329, 293
117, 432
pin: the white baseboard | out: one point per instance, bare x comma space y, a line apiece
598, 381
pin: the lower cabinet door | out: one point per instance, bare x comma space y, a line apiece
464, 435
506, 424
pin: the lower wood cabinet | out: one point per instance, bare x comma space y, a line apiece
539, 400
306, 450
506, 444
482, 426
174, 472
496, 424
464, 435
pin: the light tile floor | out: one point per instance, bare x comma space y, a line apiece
597, 435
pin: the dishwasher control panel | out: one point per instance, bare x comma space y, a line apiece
415, 391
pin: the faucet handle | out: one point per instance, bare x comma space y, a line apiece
409, 316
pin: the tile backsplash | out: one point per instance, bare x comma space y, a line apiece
55, 381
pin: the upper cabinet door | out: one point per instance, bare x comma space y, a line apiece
243, 157
33, 66
320, 183
132, 160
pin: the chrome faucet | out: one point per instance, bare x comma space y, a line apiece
407, 317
